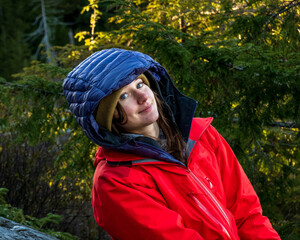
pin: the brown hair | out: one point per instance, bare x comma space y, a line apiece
175, 144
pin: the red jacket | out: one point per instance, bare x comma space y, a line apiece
211, 198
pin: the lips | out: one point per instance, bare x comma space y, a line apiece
146, 109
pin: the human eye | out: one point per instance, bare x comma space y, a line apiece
139, 85
123, 96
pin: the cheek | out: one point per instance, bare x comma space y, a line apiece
128, 108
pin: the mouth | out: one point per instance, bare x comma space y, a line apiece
146, 109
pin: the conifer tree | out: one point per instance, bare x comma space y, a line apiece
238, 59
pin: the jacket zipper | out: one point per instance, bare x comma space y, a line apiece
209, 194
221, 210
209, 182
204, 209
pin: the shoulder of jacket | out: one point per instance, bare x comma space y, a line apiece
199, 126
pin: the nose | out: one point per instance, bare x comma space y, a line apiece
141, 97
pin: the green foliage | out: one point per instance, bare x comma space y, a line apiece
44, 116
14, 52
39, 140
22, 36
3, 192
38, 113
16, 214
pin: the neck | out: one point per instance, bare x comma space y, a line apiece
151, 131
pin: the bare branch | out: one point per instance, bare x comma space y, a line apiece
282, 10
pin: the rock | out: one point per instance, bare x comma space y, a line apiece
10, 230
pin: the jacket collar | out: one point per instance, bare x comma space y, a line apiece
117, 157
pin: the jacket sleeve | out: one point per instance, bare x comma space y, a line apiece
130, 211
241, 198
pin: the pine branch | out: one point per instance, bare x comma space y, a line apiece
22, 86
282, 10
277, 124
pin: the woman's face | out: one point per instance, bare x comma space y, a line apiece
139, 104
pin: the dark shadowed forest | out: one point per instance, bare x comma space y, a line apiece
239, 59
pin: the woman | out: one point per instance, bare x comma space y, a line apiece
160, 173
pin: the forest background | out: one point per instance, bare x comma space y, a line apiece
238, 59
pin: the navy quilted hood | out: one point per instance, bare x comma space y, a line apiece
109, 70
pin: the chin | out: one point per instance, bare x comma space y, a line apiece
153, 119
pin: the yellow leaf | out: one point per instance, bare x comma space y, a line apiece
86, 8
